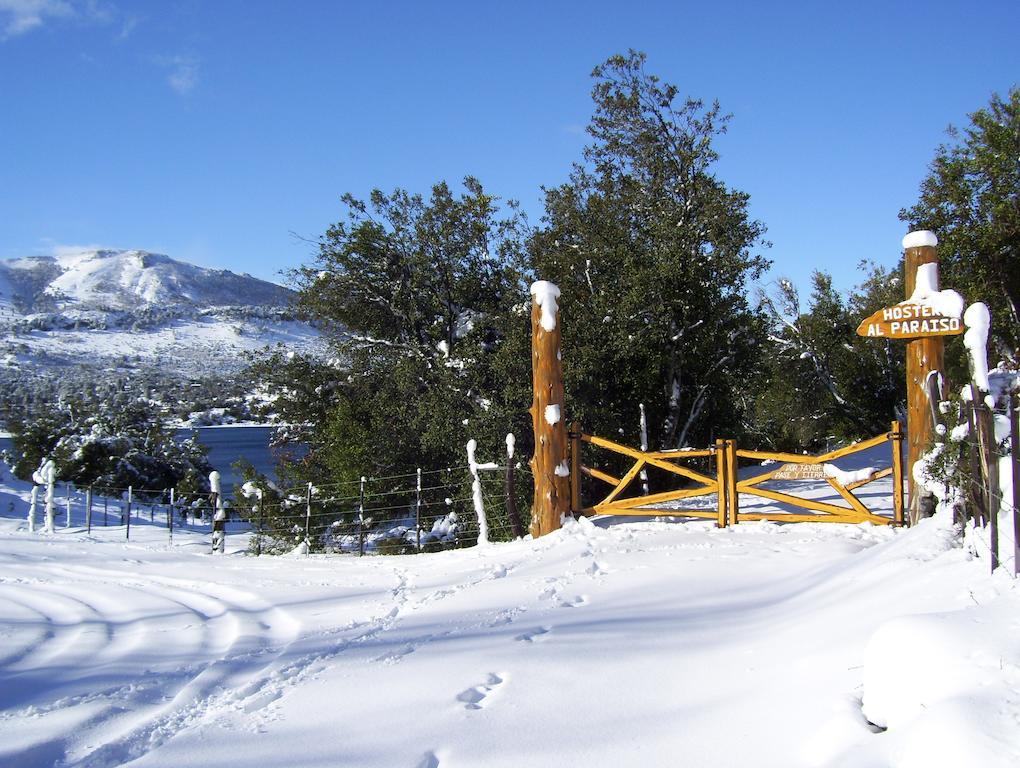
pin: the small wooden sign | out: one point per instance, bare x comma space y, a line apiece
799, 472
908, 321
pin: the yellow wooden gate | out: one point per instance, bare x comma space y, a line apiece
717, 479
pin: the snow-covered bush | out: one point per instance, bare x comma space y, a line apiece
111, 448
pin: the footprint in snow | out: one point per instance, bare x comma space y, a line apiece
574, 602
394, 656
428, 760
504, 617
476, 696
534, 635
499, 571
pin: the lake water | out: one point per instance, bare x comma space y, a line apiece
226, 445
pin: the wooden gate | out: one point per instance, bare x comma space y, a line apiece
717, 479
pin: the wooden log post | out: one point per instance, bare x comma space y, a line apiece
722, 482
924, 355
732, 495
896, 443
549, 465
576, 505
644, 447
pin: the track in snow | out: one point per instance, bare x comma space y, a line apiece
138, 659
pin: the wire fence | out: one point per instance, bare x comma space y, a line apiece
987, 466
420, 511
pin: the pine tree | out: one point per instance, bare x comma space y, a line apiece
971, 200
653, 254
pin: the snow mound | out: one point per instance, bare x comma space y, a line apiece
938, 682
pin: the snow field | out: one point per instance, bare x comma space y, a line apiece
636, 644
202, 339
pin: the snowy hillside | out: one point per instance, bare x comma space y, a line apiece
99, 305
121, 280
610, 644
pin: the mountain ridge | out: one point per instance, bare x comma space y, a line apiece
102, 307
113, 279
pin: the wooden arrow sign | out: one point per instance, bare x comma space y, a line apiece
908, 321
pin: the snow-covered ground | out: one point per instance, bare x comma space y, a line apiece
85, 305
644, 643
208, 342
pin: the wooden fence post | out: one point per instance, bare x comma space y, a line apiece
361, 517
32, 507
896, 441
731, 479
511, 489
88, 509
308, 517
549, 464
127, 518
1014, 446
575, 467
721, 482
644, 447
417, 510
923, 356
988, 464
218, 521
50, 478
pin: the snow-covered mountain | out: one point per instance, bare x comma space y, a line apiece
94, 306
123, 280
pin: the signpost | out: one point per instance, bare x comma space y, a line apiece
922, 319
799, 472
908, 321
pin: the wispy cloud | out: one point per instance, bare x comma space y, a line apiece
21, 16
127, 27
65, 251
182, 74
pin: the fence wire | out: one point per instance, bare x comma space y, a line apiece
383, 515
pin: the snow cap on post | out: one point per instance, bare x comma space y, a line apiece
920, 238
977, 319
545, 294
946, 303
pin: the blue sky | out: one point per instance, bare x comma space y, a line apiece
216, 131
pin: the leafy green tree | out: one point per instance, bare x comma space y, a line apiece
820, 380
653, 255
415, 296
971, 200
